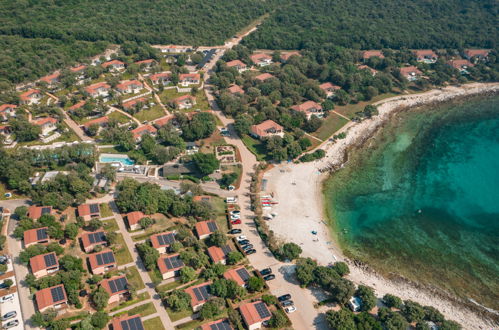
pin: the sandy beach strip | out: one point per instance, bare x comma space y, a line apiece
300, 208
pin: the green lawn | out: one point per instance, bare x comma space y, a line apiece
141, 297
255, 146
168, 287
152, 113
330, 125
105, 210
201, 101
175, 316
155, 276
133, 277
110, 225
153, 324
122, 255
121, 118
161, 225
143, 310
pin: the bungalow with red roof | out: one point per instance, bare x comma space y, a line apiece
425, 55
372, 53
89, 211
76, 106
186, 79
140, 102
133, 219
35, 212
410, 73
128, 323
101, 262
47, 124
184, 102
101, 122
169, 265
219, 255
117, 287
92, 239
365, 67
79, 71
480, 54
160, 122
266, 129
7, 111
205, 228
264, 76
129, 86
261, 59
114, 65
254, 314
287, 55
141, 130
33, 96
146, 65
309, 108
163, 78
461, 65
44, 264
239, 65
235, 90
200, 294
51, 79
218, 324
98, 89
202, 198
240, 275
329, 88
162, 241
53, 297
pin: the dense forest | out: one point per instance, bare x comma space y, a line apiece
395, 24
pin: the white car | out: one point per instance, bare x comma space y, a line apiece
235, 217
241, 238
6, 298
290, 309
231, 200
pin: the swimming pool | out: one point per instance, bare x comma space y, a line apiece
116, 158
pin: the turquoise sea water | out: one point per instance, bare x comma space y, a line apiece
421, 199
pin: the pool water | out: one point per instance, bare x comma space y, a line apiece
124, 160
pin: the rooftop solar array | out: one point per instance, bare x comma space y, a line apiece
49, 260
166, 239
202, 292
224, 325
57, 294
46, 210
226, 249
132, 324
262, 310
173, 262
105, 258
243, 274
212, 226
118, 284
41, 234
97, 237
94, 208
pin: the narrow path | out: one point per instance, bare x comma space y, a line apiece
111, 108
155, 95
339, 114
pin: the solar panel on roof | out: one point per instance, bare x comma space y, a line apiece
132, 324
166, 239
212, 226
105, 258
96, 237
262, 310
94, 208
118, 284
243, 274
226, 249
173, 262
57, 294
49, 260
224, 325
41, 234
45, 210
202, 292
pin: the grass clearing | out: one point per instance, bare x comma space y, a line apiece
121, 118
105, 210
168, 286
110, 225
255, 146
143, 310
331, 125
153, 324
152, 113
133, 277
155, 275
141, 297
122, 254
175, 316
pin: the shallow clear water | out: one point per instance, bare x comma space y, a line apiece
422, 199
123, 159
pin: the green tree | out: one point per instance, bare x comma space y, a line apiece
412, 311
187, 274
290, 251
366, 295
341, 268
234, 257
206, 163
71, 231
94, 224
255, 284
146, 222
178, 300
100, 319
342, 319
148, 254
305, 271
278, 320
218, 238
342, 290
8, 282
99, 298
392, 301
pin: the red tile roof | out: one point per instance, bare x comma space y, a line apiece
105, 284
5, 107
27, 95
183, 98
142, 130
77, 105
476, 52
372, 53
31, 237
365, 67
134, 217
43, 121
157, 76
232, 274
163, 120
149, 61
287, 55
162, 266
409, 70
129, 83
99, 121
235, 89
51, 78
35, 212
78, 68
307, 106
259, 57
84, 209
216, 254
37, 263
190, 291
192, 76
202, 227
264, 76
459, 64
262, 128
44, 297
424, 53
250, 314
131, 103
237, 63
93, 88
112, 62
327, 85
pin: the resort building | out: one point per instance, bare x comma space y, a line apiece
98, 89
425, 55
329, 88
129, 87
140, 102
263, 77
114, 65
162, 241
254, 314
35, 212
101, 122
170, 266
33, 96
219, 255
200, 294
239, 275
461, 65
287, 55
261, 60
79, 71
47, 125
222, 324
410, 73
51, 79
128, 323
101, 262
372, 53
35, 236
480, 54
184, 102
235, 90
7, 111
266, 129
186, 79
309, 108
205, 228
163, 78
146, 65
53, 297
174, 48
240, 66
141, 130
89, 211
117, 287
44, 264
133, 219
92, 239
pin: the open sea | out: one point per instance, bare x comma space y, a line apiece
421, 199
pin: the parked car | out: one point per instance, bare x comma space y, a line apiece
231, 200
11, 324
235, 217
235, 231
236, 222
250, 251
3, 286
241, 238
9, 315
284, 297
6, 298
266, 271
247, 247
235, 212
287, 303
290, 309
269, 277
3, 259
244, 242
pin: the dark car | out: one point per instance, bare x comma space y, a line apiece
244, 242
266, 271
269, 277
284, 297
4, 286
250, 251
235, 231
247, 247
287, 303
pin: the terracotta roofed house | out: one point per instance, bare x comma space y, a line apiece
35, 236
329, 88
186, 79
89, 211
372, 53
254, 314
185, 101
222, 324
33, 96
132, 103
266, 129
476, 53
77, 106
79, 71
310, 108
200, 294
146, 64
129, 86
173, 48
133, 219
161, 78
114, 65
53, 297
205, 228
170, 265
239, 65
287, 55
425, 55
51, 79
239, 275
460, 65
101, 122
7, 111
98, 89
162, 241
261, 59
92, 239
44, 264
35, 212
128, 323
264, 76
117, 287
235, 89
141, 130
47, 124
411, 73
160, 122
365, 67
219, 255
101, 262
